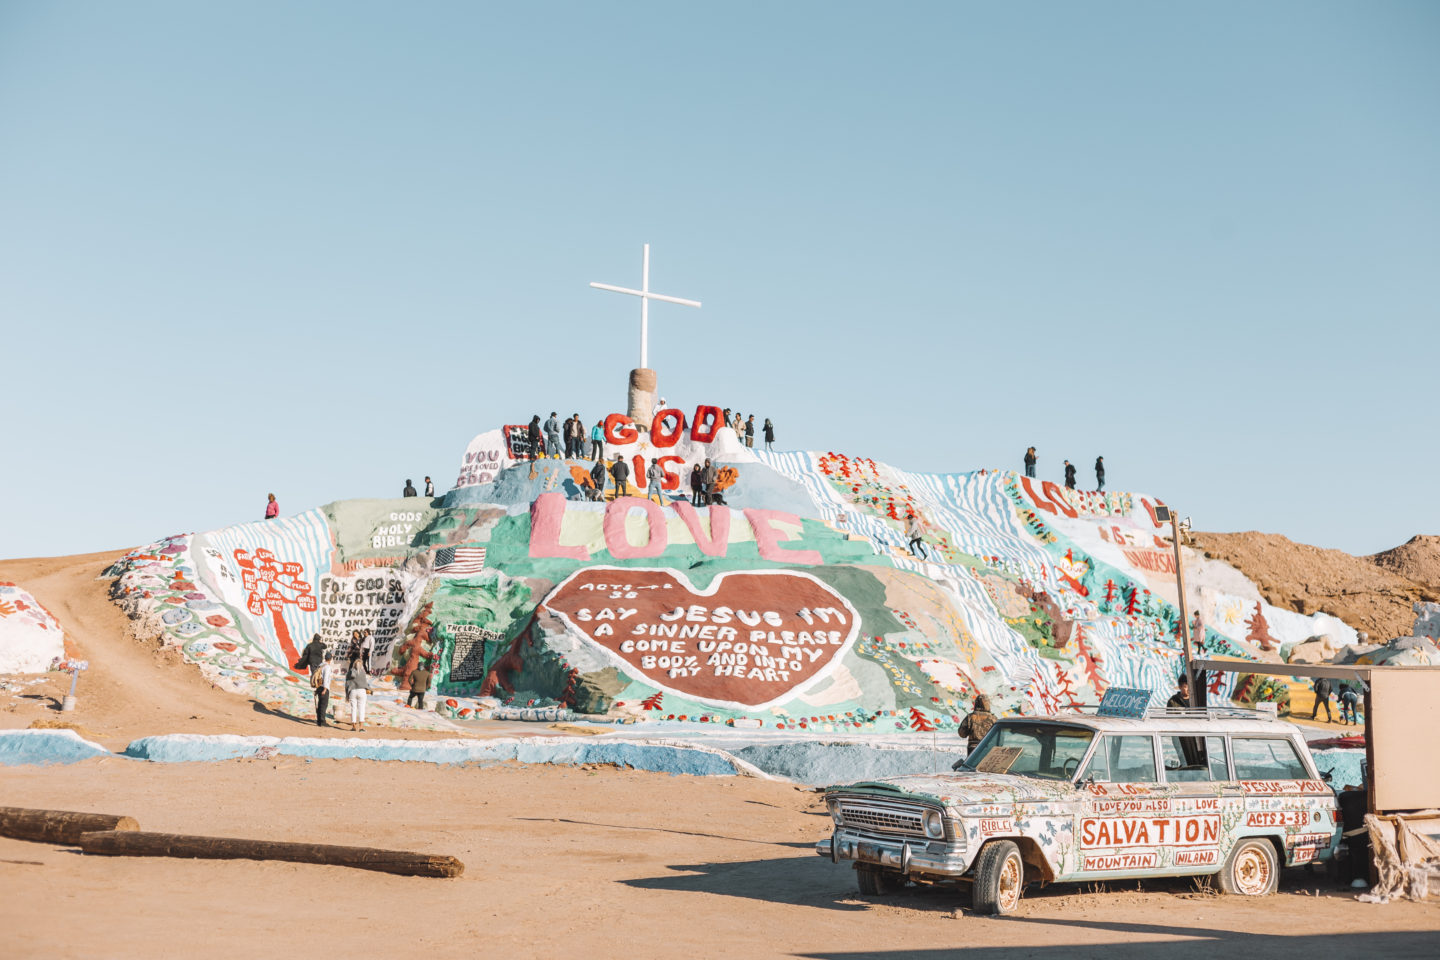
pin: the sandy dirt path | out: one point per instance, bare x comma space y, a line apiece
572, 862
135, 688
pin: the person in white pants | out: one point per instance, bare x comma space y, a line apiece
357, 691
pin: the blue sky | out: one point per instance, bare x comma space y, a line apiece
312, 248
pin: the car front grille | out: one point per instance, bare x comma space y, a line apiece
882, 818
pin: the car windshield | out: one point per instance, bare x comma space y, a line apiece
1049, 751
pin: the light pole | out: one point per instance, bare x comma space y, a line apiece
1162, 514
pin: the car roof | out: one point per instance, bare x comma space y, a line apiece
1212, 722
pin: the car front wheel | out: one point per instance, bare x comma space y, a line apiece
999, 878
1252, 870
875, 882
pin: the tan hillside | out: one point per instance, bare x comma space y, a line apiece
1368, 596
1417, 559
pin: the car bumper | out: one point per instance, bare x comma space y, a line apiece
935, 857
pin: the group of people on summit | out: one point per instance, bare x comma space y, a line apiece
1031, 460
553, 436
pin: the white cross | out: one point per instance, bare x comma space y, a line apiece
645, 297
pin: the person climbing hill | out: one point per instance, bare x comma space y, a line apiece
916, 535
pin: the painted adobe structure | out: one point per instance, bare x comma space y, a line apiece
795, 606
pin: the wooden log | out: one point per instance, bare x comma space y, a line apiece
57, 826
149, 844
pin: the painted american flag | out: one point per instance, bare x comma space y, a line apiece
459, 561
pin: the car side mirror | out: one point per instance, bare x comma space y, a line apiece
1327, 775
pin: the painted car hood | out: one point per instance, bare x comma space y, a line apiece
964, 788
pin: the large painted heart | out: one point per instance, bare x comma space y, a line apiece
750, 641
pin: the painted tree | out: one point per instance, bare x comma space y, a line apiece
1260, 630
653, 702
1089, 662
920, 722
1132, 600
1110, 590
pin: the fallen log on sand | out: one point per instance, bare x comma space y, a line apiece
58, 826
147, 844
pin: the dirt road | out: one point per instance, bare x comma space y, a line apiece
576, 863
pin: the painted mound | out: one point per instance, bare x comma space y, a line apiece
795, 606
30, 637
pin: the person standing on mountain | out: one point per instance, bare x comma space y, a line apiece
409, 490
656, 476
1030, 460
597, 480
597, 441
272, 509
1099, 473
750, 431
429, 488
620, 470
1069, 475
532, 433
769, 435
552, 436
697, 486
707, 477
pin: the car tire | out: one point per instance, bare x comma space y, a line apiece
999, 878
874, 882
1251, 870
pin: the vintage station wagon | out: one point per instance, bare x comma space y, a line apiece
1084, 797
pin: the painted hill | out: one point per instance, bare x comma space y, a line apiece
796, 605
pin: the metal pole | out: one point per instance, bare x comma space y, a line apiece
1184, 614
645, 309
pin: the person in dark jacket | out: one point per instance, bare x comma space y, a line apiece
1069, 475
977, 723
532, 433
312, 656
750, 430
1322, 695
1181, 699
620, 470
597, 475
419, 684
1030, 460
697, 486
320, 683
1349, 700
409, 490
707, 478
429, 488
1099, 473
769, 434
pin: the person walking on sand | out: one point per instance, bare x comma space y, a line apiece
597, 441
320, 682
656, 476
429, 489
272, 509
1069, 475
419, 685
552, 436
620, 470
409, 490
357, 689
532, 433
769, 435
1322, 695
697, 486
916, 535
1099, 473
1030, 460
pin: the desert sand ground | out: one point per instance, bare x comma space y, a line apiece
578, 863
581, 862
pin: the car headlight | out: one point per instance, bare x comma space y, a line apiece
834, 808
934, 825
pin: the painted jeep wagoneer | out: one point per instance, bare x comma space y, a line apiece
1083, 797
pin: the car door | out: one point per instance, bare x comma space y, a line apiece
1122, 814
1282, 800
1203, 800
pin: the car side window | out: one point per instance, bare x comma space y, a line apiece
1194, 759
1267, 758
1123, 759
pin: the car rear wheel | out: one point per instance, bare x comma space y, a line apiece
1252, 869
999, 878
875, 882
